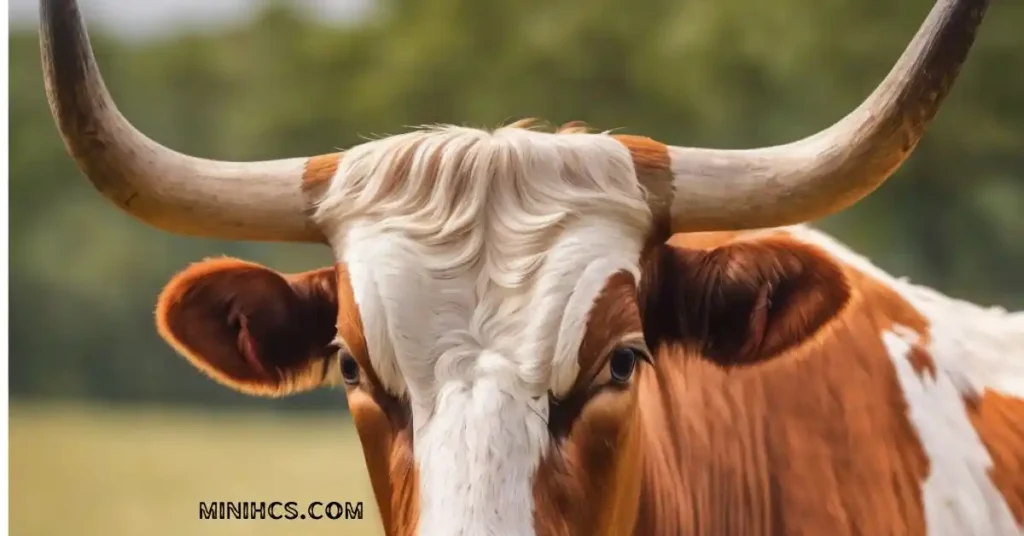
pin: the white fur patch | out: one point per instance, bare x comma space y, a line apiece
474, 277
980, 348
959, 497
973, 349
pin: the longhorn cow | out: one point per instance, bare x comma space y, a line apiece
579, 333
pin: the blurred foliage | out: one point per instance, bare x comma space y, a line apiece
729, 73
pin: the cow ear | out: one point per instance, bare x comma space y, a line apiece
746, 301
251, 328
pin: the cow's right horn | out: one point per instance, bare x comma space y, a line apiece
719, 189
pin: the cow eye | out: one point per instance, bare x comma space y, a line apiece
349, 369
622, 363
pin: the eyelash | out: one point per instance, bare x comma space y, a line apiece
640, 354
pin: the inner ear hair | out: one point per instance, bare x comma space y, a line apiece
251, 328
744, 301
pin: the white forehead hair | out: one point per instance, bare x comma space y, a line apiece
475, 258
460, 236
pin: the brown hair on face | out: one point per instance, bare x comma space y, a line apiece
587, 483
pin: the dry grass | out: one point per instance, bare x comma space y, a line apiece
112, 472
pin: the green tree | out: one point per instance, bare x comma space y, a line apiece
730, 73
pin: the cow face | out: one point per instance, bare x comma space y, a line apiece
492, 302
495, 339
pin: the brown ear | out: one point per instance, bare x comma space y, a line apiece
745, 301
251, 328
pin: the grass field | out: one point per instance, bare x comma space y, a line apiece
131, 472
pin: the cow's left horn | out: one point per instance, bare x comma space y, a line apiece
164, 188
829, 171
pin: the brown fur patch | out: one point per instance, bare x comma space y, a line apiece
376, 436
405, 499
891, 309
385, 432
746, 301
999, 420
318, 174
894, 310
650, 157
816, 444
249, 327
589, 484
653, 170
814, 441
580, 486
921, 362
350, 323
614, 315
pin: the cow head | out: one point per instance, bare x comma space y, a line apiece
498, 298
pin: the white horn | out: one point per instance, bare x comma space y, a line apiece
164, 188
829, 171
